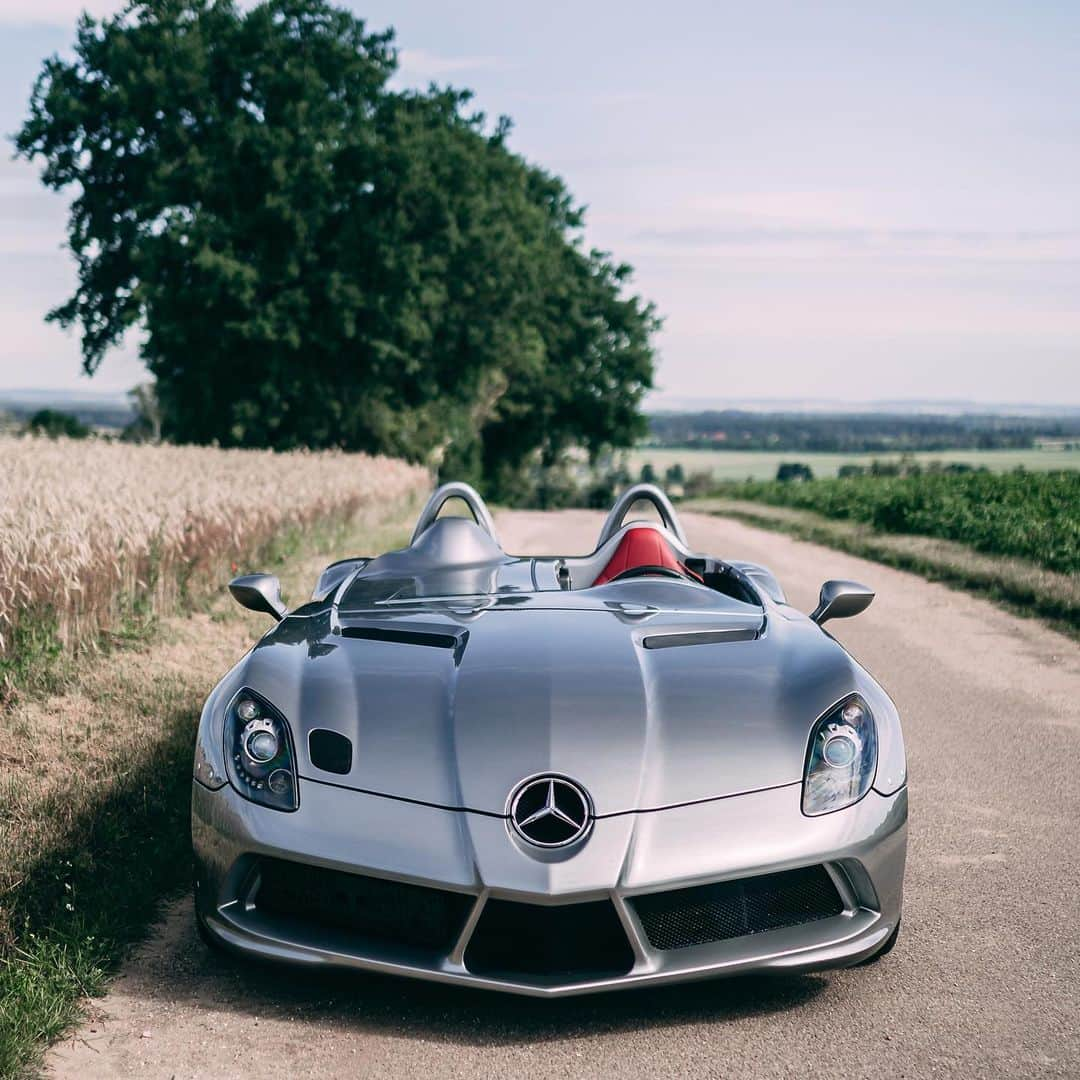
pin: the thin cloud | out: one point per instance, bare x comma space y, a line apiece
54, 12
421, 65
32, 219
614, 99
798, 241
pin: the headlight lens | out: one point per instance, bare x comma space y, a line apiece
841, 759
261, 741
258, 751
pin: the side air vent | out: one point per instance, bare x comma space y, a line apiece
330, 751
698, 637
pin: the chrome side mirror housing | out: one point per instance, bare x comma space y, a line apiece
259, 592
841, 600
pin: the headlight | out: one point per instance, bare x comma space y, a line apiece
841, 759
258, 751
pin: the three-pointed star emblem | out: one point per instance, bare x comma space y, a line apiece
550, 811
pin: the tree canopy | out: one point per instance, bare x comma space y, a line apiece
316, 259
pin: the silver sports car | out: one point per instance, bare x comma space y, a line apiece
550, 775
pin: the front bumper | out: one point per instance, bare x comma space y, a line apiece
626, 857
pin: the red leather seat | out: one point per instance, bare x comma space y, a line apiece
644, 546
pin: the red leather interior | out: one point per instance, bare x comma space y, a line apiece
640, 547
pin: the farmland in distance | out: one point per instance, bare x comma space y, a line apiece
762, 464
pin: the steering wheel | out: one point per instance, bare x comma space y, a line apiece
642, 493
468, 495
648, 571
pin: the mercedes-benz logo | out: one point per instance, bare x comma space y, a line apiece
550, 811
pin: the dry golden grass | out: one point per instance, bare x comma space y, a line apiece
90, 529
95, 780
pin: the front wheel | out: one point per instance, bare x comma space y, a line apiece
207, 936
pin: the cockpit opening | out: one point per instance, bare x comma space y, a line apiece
454, 556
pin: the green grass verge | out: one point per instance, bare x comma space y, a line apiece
84, 900
35, 657
1021, 586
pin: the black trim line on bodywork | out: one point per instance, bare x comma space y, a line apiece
492, 813
699, 802
887, 794
401, 798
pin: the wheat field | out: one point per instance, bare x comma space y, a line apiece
87, 528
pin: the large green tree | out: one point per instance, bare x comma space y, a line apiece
315, 259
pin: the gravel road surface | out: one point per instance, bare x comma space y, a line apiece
985, 980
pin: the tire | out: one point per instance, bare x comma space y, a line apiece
208, 939
885, 949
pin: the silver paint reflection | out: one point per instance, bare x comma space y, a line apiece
460, 673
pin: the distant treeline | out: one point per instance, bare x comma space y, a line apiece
855, 432
16, 414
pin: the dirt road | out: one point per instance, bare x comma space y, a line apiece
985, 980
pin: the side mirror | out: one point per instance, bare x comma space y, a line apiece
841, 600
259, 592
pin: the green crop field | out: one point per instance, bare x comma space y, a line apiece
1033, 516
762, 464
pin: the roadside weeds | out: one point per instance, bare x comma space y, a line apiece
95, 781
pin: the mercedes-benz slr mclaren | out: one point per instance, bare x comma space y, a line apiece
550, 775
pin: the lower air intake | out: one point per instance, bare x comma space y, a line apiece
731, 909
571, 941
373, 909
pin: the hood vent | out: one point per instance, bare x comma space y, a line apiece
699, 637
427, 638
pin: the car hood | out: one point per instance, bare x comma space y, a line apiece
455, 708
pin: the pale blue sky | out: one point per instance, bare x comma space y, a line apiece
853, 201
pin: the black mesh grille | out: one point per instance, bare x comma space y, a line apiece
374, 909
576, 941
730, 909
